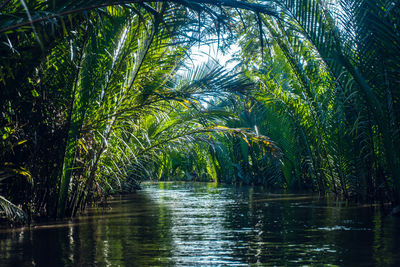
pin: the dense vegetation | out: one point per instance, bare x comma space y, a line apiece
95, 97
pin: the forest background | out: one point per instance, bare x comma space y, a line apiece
96, 96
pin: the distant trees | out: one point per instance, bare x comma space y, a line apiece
81, 84
92, 100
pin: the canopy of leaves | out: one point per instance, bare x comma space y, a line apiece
96, 96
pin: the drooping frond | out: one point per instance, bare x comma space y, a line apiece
11, 211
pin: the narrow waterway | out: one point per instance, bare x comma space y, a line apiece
174, 224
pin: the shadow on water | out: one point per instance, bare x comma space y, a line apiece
133, 231
171, 224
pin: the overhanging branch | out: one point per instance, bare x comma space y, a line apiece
257, 8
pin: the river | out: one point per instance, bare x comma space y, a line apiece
177, 224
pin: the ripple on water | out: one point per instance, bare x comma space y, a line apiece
171, 224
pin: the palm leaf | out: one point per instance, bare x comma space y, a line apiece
11, 211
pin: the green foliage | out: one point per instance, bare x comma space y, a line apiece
96, 97
329, 69
11, 211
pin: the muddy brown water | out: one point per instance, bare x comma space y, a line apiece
175, 224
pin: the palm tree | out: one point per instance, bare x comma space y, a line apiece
334, 43
92, 87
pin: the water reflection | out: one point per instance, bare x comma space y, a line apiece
171, 224
134, 231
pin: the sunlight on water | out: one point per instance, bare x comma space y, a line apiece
173, 224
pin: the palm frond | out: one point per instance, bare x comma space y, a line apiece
11, 211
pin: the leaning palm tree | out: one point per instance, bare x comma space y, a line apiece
78, 76
92, 75
354, 44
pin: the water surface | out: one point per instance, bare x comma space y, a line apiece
173, 224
